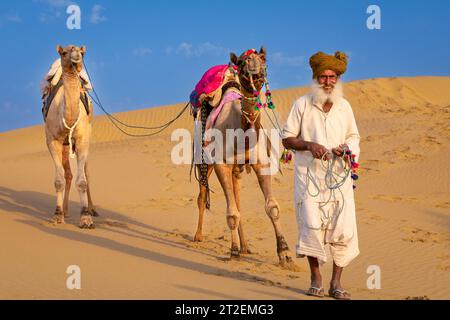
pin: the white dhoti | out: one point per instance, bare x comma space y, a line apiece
321, 224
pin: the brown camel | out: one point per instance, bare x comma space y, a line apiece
241, 114
68, 132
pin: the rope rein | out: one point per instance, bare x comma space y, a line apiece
204, 166
333, 180
116, 122
71, 129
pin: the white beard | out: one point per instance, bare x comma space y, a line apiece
320, 97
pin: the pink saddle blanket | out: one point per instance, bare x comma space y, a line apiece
228, 97
212, 80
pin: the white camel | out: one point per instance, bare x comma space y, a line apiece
68, 132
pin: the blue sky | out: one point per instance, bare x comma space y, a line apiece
148, 53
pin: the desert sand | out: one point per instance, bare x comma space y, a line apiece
142, 247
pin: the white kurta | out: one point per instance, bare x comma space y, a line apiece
319, 224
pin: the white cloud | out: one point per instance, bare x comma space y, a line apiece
279, 58
44, 17
11, 17
185, 49
96, 15
55, 3
168, 51
209, 48
53, 9
206, 48
142, 52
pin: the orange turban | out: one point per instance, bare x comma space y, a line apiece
322, 61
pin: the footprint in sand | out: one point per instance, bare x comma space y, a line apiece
393, 198
430, 141
376, 138
187, 199
403, 155
445, 266
443, 205
373, 219
417, 235
370, 166
169, 176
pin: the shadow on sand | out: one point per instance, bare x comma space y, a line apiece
39, 206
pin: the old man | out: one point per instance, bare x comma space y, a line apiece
322, 130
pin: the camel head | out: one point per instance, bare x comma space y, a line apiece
251, 66
71, 56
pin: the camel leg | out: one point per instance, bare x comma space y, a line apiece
56, 150
86, 221
237, 197
68, 176
273, 211
91, 207
224, 174
201, 202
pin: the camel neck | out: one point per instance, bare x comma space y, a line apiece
72, 88
249, 112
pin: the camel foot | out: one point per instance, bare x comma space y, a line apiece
58, 217
235, 253
198, 237
287, 263
86, 222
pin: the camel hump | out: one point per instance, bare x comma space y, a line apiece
210, 88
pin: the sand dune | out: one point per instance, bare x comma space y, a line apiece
142, 247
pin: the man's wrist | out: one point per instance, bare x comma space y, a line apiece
308, 146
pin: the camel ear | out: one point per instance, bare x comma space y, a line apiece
234, 58
59, 49
262, 53
83, 50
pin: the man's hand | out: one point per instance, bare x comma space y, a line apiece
339, 151
317, 150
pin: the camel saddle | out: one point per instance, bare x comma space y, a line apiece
52, 93
213, 85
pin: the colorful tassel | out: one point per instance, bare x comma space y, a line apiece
286, 157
